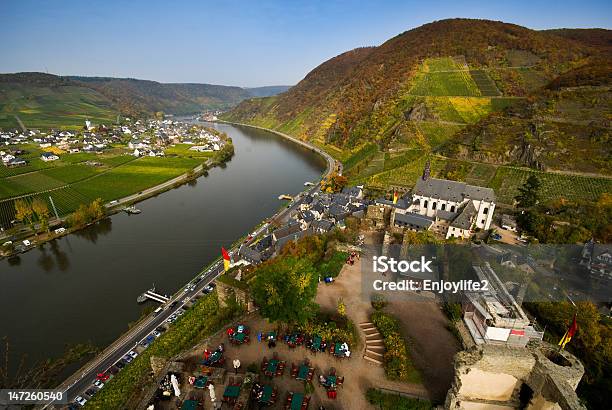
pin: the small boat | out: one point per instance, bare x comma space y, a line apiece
132, 210
142, 298
284, 196
308, 183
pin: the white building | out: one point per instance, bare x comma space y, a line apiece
453, 208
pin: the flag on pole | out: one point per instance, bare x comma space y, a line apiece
395, 197
571, 331
226, 259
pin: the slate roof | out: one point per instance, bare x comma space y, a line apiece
415, 219
286, 230
324, 225
264, 243
249, 254
464, 219
452, 190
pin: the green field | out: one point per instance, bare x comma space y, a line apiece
71, 182
183, 151
134, 177
455, 83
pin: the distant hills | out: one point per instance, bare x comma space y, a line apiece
472, 90
45, 100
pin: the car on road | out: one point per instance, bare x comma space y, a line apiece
208, 288
133, 354
99, 384
186, 300
180, 312
173, 304
80, 400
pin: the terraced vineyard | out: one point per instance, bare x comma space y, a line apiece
507, 180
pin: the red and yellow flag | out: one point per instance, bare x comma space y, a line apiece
395, 197
571, 331
226, 259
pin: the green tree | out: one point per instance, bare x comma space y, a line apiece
285, 289
529, 193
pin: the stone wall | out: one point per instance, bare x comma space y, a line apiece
242, 296
489, 376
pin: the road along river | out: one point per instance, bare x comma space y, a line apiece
83, 287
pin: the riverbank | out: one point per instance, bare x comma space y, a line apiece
332, 164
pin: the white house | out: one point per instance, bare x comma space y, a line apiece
49, 156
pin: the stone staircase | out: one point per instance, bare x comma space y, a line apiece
375, 348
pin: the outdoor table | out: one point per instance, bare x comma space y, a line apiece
189, 405
330, 381
266, 397
239, 337
338, 349
302, 372
316, 342
231, 391
214, 357
296, 401
200, 382
272, 366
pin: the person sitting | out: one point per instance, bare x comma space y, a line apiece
322, 379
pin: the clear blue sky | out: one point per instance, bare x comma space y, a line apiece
245, 43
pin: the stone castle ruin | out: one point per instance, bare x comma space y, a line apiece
495, 377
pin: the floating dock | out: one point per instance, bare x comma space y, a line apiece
285, 196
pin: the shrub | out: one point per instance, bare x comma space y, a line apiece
398, 365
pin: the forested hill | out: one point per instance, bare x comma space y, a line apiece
46, 100
423, 87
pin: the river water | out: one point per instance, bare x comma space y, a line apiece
83, 287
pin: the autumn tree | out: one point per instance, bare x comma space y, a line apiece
40, 209
23, 211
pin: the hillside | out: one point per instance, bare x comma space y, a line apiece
135, 97
425, 89
44, 100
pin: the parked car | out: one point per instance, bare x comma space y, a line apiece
160, 329
91, 392
128, 358
102, 377
120, 364
80, 400
133, 354
99, 384
156, 333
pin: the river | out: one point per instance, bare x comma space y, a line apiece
83, 287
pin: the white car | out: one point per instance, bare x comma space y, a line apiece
156, 333
80, 400
133, 354
186, 300
128, 358
99, 384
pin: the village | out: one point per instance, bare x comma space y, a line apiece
140, 137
